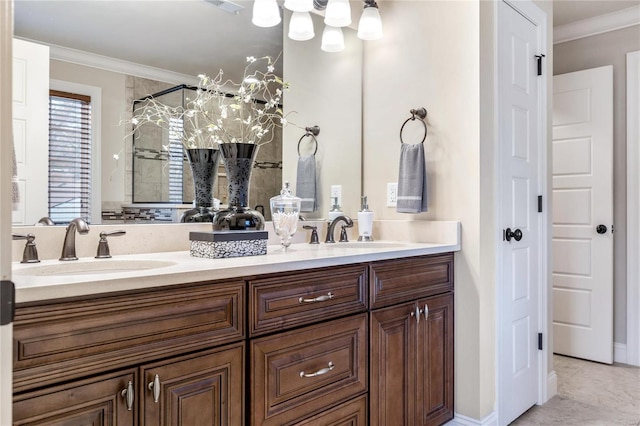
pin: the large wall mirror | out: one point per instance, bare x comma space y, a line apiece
129, 49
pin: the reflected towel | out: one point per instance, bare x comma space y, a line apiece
15, 193
306, 183
412, 180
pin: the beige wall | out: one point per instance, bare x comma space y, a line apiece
113, 134
429, 57
590, 52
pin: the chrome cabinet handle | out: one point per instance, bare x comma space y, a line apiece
127, 394
322, 298
154, 386
320, 372
426, 312
417, 314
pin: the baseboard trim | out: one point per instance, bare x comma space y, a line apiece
460, 420
620, 353
552, 385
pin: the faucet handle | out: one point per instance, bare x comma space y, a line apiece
314, 233
103, 244
30, 253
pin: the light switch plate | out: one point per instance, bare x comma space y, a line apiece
392, 194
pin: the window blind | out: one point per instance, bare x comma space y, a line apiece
69, 156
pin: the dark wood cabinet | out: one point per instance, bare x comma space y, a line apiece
362, 344
411, 356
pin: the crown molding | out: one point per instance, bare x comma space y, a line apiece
597, 25
106, 63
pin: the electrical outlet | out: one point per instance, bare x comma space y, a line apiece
336, 191
392, 194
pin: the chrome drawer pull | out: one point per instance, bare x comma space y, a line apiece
426, 311
417, 314
320, 372
316, 299
155, 387
128, 395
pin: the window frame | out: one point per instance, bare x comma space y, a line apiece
96, 112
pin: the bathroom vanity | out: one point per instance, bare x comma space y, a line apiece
323, 335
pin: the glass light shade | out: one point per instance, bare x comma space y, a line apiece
301, 26
299, 5
332, 39
265, 13
370, 25
338, 13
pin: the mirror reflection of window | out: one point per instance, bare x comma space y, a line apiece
69, 157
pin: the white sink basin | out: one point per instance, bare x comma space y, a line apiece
92, 267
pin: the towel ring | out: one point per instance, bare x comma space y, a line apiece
312, 132
421, 113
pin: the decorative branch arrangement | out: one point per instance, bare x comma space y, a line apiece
223, 111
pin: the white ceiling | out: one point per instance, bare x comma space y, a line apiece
568, 11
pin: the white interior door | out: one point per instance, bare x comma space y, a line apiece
519, 187
30, 129
583, 214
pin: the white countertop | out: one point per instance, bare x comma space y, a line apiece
186, 269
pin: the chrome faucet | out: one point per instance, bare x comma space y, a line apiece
46, 221
69, 246
343, 235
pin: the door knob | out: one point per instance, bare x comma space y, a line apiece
601, 229
515, 234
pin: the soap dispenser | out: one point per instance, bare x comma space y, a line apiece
365, 221
335, 210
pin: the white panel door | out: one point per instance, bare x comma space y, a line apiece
583, 214
31, 129
520, 220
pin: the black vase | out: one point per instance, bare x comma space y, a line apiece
204, 168
238, 159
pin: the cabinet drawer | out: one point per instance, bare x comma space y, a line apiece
397, 281
300, 373
352, 413
74, 338
305, 297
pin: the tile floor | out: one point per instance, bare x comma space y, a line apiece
589, 394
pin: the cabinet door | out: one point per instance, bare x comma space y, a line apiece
96, 401
412, 363
434, 393
202, 389
392, 359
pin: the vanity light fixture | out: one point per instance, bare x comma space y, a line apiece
370, 25
337, 15
265, 13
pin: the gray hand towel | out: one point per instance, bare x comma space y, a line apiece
412, 181
306, 183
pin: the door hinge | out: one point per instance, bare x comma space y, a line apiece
539, 57
539, 341
539, 203
7, 302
